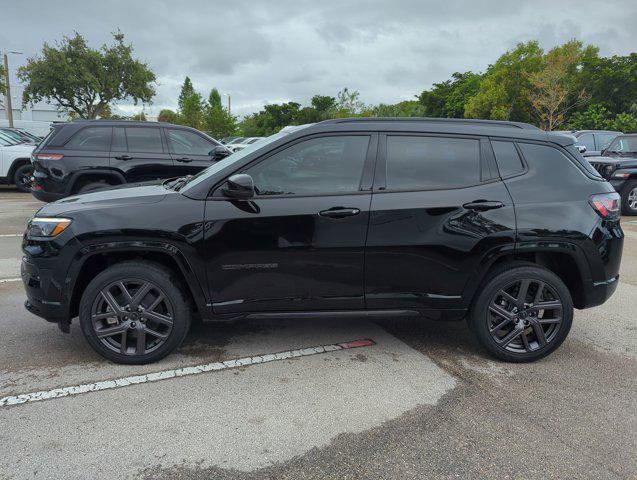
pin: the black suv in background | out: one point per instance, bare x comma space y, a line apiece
496, 222
594, 140
618, 164
81, 156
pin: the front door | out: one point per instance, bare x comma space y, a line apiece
438, 209
190, 151
299, 243
140, 154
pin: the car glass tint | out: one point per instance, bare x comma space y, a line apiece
509, 162
183, 142
604, 139
144, 140
549, 159
317, 166
119, 140
587, 141
421, 163
91, 138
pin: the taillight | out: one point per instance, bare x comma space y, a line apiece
607, 205
47, 156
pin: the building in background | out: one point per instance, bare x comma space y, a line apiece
36, 119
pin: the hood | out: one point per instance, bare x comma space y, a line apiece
21, 148
113, 197
613, 159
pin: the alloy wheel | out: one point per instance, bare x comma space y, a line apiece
632, 199
132, 317
525, 316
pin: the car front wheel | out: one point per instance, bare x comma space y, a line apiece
629, 198
134, 313
522, 314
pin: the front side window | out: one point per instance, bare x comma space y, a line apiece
604, 139
91, 138
312, 167
587, 141
427, 163
143, 140
183, 142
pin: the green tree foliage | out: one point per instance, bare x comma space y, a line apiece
187, 90
218, 122
448, 98
168, 116
83, 80
191, 111
503, 93
408, 108
141, 117
598, 117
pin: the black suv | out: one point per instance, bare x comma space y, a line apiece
618, 164
499, 223
87, 155
593, 140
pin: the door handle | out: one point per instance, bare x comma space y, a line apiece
339, 212
124, 157
483, 205
184, 159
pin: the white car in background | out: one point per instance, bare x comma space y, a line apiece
15, 163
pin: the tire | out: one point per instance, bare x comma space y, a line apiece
117, 336
497, 319
629, 195
22, 177
92, 187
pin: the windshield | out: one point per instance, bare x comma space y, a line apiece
236, 140
8, 139
623, 144
229, 160
15, 135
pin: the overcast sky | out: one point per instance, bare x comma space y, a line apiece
276, 51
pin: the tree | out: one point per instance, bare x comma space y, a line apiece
187, 90
448, 98
408, 108
553, 91
348, 103
141, 117
598, 117
85, 80
168, 116
191, 112
323, 103
217, 121
504, 89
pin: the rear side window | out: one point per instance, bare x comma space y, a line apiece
587, 141
509, 161
552, 161
91, 138
144, 140
427, 163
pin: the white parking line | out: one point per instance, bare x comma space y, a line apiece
5, 280
11, 235
179, 372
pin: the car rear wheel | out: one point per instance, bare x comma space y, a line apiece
629, 198
522, 314
134, 313
22, 177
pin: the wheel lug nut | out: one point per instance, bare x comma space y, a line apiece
133, 325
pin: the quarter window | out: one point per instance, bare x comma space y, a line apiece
316, 166
91, 138
144, 140
183, 142
509, 162
423, 163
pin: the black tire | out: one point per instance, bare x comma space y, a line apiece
92, 187
629, 196
22, 177
492, 307
123, 345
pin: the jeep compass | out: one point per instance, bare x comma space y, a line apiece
498, 223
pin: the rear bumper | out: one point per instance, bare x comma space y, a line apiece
46, 196
599, 292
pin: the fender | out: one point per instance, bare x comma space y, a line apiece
193, 281
106, 172
14, 167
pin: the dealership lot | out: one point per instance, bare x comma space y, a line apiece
423, 400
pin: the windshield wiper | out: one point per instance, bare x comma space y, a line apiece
178, 183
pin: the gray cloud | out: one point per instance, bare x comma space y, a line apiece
262, 52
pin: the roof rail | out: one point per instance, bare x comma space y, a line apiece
467, 121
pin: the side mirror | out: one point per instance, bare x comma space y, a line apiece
240, 186
581, 148
220, 152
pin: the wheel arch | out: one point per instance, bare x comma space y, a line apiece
97, 258
83, 177
17, 163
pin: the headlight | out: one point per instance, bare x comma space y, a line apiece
621, 175
609, 169
47, 226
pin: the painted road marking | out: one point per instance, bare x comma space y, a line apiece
4, 235
180, 372
5, 280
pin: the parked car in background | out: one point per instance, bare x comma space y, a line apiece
498, 223
15, 164
235, 147
226, 140
81, 156
18, 136
618, 165
594, 140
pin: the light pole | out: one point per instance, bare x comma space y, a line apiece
228, 95
7, 96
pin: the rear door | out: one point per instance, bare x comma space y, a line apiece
140, 154
438, 209
191, 152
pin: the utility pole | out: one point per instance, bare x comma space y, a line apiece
229, 111
7, 96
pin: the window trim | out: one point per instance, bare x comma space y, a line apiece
380, 184
110, 139
367, 175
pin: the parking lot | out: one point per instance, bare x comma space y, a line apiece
422, 399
